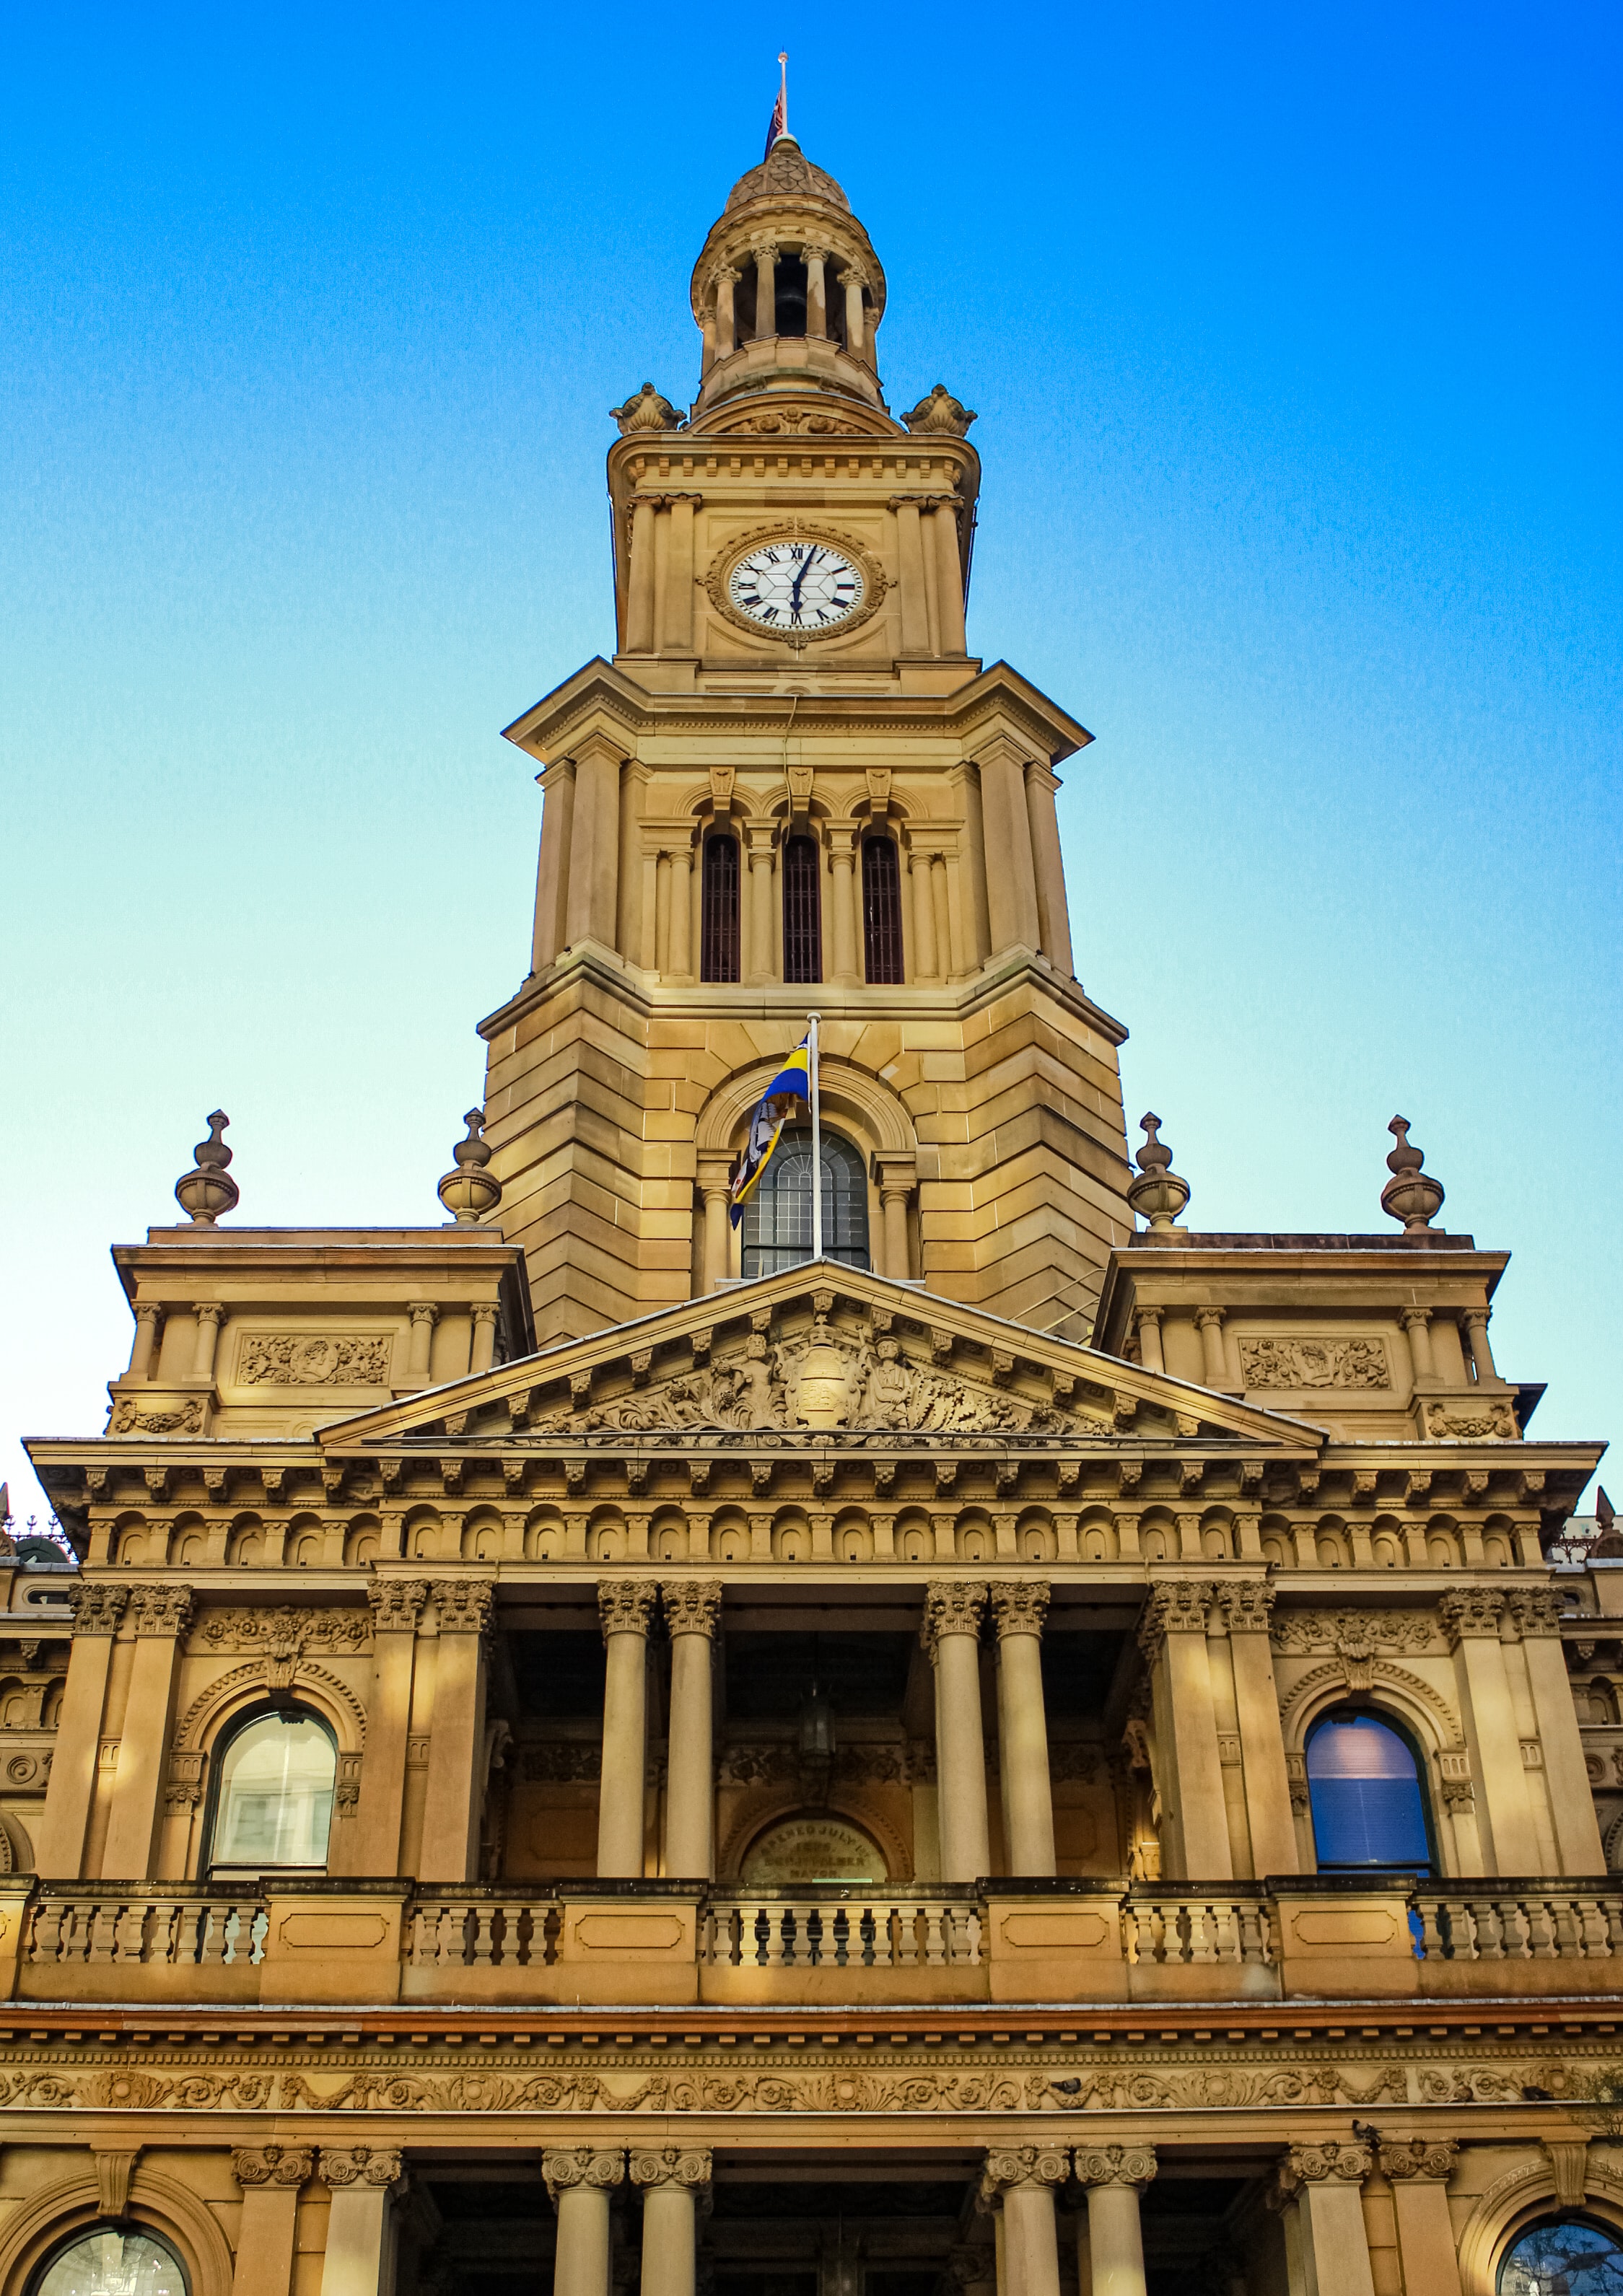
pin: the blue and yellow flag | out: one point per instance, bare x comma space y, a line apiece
792, 1081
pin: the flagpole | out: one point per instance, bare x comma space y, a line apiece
784, 86
816, 1117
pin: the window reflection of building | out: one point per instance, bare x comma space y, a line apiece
1561, 2260
274, 1800
1364, 1784
778, 1229
112, 2260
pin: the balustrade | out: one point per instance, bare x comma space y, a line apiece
896, 1928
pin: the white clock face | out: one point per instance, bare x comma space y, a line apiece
796, 586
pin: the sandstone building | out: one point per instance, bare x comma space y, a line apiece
1047, 1752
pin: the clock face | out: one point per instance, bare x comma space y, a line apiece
793, 586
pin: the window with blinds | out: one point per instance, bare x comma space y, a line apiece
802, 910
719, 929
777, 1226
882, 910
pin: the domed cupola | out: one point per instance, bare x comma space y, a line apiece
788, 291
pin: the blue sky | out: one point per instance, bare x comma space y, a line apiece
1294, 340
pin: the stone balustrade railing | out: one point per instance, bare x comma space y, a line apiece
676, 1944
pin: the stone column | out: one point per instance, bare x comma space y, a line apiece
714, 1189
841, 860
1481, 1354
161, 1616
59, 1844
926, 965
677, 607
553, 863
1248, 1605
359, 2260
1325, 2182
1054, 920
1115, 2176
675, 2186
1194, 1820
1010, 877
1418, 2172
1208, 1322
1019, 2185
1417, 1323
397, 1605
211, 1314
766, 289
424, 1316
454, 1801
949, 575
897, 1177
953, 1610
484, 1337
593, 893
727, 343
662, 916
693, 1612
624, 1606
1147, 1323
578, 2184
270, 2177
910, 565
1470, 1620
1536, 1615
816, 290
643, 511
854, 335
757, 965
148, 1317
1020, 1607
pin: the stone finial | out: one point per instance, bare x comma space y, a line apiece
207, 1189
646, 410
1410, 1195
941, 412
469, 1192
1157, 1194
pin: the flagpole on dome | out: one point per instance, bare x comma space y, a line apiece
779, 124
816, 1155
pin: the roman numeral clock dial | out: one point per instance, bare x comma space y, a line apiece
800, 588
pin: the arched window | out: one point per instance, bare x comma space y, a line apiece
112, 2260
778, 1216
789, 295
1562, 2258
718, 936
1369, 1814
802, 910
273, 1793
882, 909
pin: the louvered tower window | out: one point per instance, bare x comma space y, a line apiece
777, 1228
882, 909
718, 934
802, 910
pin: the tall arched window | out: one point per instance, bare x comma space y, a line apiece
1369, 1814
882, 909
718, 935
802, 910
777, 1219
273, 1793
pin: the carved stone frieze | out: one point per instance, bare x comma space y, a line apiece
1498, 1424
563, 1761
181, 1419
1355, 1634
285, 1631
313, 1359
1281, 1361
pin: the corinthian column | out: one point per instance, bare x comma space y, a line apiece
271, 2177
1247, 1605
359, 2255
1115, 2174
766, 289
624, 1606
951, 1634
1172, 1636
1020, 1608
675, 2186
692, 1608
161, 1614
578, 2183
1324, 2182
98, 1611
1021, 2184
454, 1797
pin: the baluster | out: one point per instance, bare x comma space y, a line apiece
1614, 1922
422, 1950
186, 1947
1567, 1946
160, 1937
1203, 1933
935, 1944
1593, 1919
1484, 1913
1226, 1917
1251, 1930
814, 1935
104, 1932
1512, 1930
1131, 1942
842, 1938
1540, 1934
480, 1918
1432, 1946
971, 1923
45, 1932
200, 1942
869, 1929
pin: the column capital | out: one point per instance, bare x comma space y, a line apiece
1023, 2169
148, 1311
161, 1610
1116, 2164
97, 1609
273, 2164
1426, 2158
1537, 1614
397, 1605
570, 2168
1327, 2163
1204, 1317
1177, 1606
423, 1311
1471, 1316
1470, 1615
1020, 1605
341, 2166
1414, 1319
693, 1606
811, 253
209, 1311
486, 1312
465, 1605
1248, 1604
672, 2165
952, 1606
624, 1605
1150, 1315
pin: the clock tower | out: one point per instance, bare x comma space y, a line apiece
793, 788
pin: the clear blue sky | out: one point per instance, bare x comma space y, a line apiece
1294, 337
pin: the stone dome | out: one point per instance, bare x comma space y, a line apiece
786, 172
